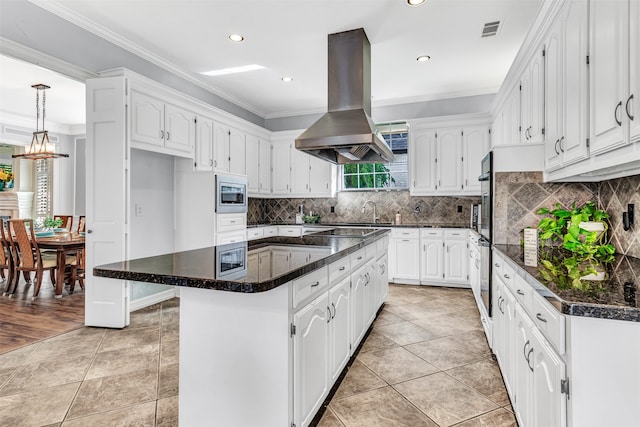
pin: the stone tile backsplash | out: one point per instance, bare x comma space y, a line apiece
615, 195
433, 210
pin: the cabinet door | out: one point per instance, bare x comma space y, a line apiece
383, 280
339, 328
513, 125
525, 105
536, 98
496, 129
358, 305
431, 263
279, 262
280, 164
523, 367
299, 172
553, 94
264, 265
147, 120
252, 165
575, 82
310, 359
204, 144
220, 147
498, 334
320, 177
237, 152
449, 160
298, 258
456, 261
423, 154
407, 258
253, 273
264, 161
632, 105
178, 128
475, 141
609, 62
550, 404
372, 281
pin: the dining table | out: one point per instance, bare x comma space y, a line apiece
62, 243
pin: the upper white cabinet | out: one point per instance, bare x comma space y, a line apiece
532, 100
567, 87
160, 126
204, 144
614, 52
281, 166
229, 149
258, 165
446, 161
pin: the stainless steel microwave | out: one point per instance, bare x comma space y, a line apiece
231, 261
231, 194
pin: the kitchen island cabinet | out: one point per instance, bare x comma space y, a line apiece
266, 352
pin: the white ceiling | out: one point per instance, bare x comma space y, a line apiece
289, 37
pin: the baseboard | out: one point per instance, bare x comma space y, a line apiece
152, 299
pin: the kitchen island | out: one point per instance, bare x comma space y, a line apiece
266, 348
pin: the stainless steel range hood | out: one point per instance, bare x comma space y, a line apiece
346, 134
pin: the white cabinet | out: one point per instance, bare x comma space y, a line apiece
475, 144
614, 73
339, 327
512, 127
204, 144
279, 261
160, 126
404, 249
446, 161
229, 150
310, 358
299, 177
264, 166
532, 100
359, 304
456, 257
252, 163
503, 336
549, 401
432, 255
281, 166
321, 177
523, 368
566, 87
309, 176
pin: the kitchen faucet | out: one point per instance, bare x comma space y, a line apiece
374, 209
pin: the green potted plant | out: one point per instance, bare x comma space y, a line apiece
577, 237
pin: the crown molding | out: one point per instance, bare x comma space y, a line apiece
100, 31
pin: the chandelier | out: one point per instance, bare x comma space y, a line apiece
40, 147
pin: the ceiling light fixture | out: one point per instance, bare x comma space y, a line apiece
233, 70
287, 79
40, 147
236, 38
423, 58
415, 2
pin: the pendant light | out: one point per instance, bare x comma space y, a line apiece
40, 147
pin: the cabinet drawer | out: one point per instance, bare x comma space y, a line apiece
230, 237
549, 320
432, 232
405, 233
498, 263
270, 231
456, 234
381, 246
507, 274
358, 258
255, 233
308, 286
339, 269
228, 222
522, 291
290, 230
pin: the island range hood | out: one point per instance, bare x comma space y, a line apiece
346, 133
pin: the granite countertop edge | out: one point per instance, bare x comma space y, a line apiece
235, 286
357, 224
574, 308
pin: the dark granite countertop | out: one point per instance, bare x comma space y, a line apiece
614, 298
360, 224
196, 268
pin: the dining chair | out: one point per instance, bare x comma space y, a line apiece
77, 270
67, 221
5, 256
27, 257
82, 224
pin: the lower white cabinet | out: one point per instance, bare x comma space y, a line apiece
404, 252
456, 263
432, 255
339, 327
359, 306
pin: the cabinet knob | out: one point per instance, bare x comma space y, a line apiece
89, 231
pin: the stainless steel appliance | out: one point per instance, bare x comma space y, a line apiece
231, 194
475, 217
231, 260
486, 224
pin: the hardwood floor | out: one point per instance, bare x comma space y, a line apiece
23, 322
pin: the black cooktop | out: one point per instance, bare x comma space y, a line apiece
344, 232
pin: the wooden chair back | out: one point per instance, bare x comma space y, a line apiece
23, 242
67, 221
82, 225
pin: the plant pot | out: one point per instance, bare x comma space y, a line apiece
599, 275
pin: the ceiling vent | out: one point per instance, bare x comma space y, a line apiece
490, 29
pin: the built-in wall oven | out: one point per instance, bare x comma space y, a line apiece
231, 261
486, 224
231, 194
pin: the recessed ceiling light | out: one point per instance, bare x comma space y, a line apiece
236, 37
415, 2
423, 58
287, 79
233, 70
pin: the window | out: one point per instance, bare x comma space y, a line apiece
375, 176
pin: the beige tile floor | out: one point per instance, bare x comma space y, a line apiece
425, 363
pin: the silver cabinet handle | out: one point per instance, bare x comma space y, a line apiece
524, 349
506, 276
626, 107
360, 257
497, 265
560, 144
341, 269
540, 318
334, 310
168, 135
519, 292
315, 284
329, 316
161, 134
555, 147
615, 113
210, 162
